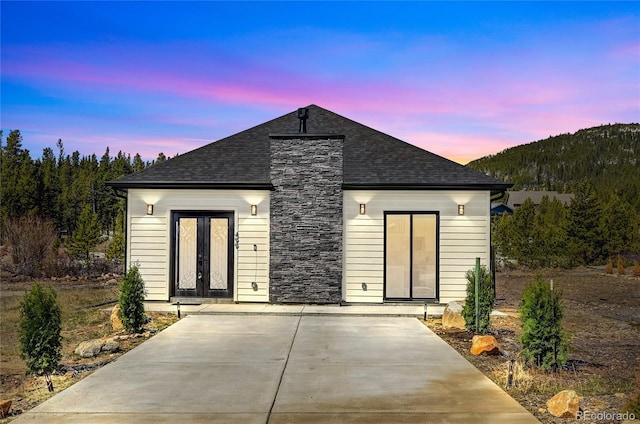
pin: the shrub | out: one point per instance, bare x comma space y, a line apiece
609, 267
544, 342
636, 269
621, 270
31, 239
486, 300
132, 301
40, 331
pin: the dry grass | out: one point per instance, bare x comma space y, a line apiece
80, 320
85, 315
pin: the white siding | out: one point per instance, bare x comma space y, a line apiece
462, 238
149, 237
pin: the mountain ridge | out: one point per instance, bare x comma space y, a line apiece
607, 156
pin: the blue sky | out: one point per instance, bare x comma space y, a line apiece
461, 79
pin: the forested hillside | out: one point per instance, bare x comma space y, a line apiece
600, 166
607, 156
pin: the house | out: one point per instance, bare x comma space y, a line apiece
310, 207
517, 198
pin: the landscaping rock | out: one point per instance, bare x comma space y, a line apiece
564, 404
110, 283
484, 344
110, 345
452, 316
92, 348
116, 322
5, 407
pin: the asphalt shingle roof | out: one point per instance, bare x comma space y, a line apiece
372, 159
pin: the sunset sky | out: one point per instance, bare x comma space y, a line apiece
460, 79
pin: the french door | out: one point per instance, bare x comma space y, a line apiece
203, 254
411, 256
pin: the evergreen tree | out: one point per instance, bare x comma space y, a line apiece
17, 177
515, 234
116, 250
40, 331
132, 301
48, 185
161, 158
486, 300
544, 342
138, 163
86, 236
583, 225
620, 227
549, 237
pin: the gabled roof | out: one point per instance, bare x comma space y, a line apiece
372, 160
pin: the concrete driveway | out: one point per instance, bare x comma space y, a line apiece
286, 369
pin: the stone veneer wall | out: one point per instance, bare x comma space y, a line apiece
306, 219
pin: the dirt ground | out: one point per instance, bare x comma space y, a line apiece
602, 316
86, 306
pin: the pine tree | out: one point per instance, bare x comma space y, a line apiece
583, 225
40, 331
486, 300
132, 301
544, 342
17, 176
515, 234
86, 236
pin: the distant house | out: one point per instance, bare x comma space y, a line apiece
310, 207
517, 198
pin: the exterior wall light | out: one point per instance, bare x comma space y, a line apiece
363, 209
149, 209
254, 210
460, 209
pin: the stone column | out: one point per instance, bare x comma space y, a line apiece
306, 218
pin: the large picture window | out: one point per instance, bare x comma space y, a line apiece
411, 255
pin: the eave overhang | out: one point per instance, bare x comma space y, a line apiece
494, 188
198, 185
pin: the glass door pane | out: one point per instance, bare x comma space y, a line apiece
187, 253
424, 256
398, 262
218, 260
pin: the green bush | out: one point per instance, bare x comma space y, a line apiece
132, 301
40, 331
486, 300
544, 342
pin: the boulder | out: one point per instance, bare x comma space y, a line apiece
116, 321
89, 348
452, 316
564, 404
5, 407
484, 344
92, 348
110, 345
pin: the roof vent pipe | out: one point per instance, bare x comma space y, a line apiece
303, 114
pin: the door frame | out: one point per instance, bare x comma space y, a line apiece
384, 285
205, 293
